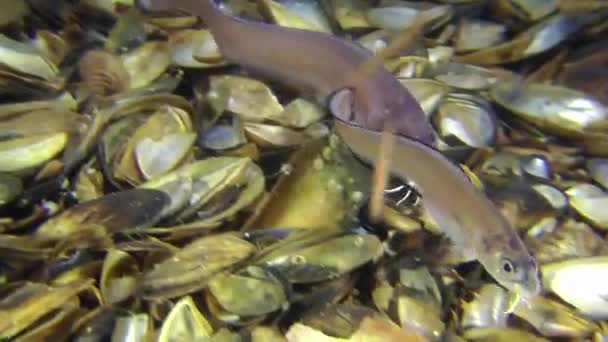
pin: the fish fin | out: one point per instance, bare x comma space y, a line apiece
381, 174
402, 40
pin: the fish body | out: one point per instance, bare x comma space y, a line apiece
312, 61
465, 214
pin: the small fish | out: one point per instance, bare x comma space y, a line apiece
314, 62
463, 213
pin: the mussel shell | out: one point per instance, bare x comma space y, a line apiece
265, 293
557, 110
185, 321
327, 259
488, 308
120, 211
191, 268
589, 201
467, 120
581, 282
25, 153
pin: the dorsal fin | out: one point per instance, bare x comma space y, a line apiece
403, 39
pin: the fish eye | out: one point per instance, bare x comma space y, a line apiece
507, 266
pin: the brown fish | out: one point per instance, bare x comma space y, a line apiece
471, 221
312, 61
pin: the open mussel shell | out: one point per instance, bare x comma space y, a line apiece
151, 155
466, 120
156, 146
590, 202
226, 133
239, 95
211, 189
185, 322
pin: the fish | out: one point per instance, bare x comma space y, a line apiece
464, 214
331, 67
310, 61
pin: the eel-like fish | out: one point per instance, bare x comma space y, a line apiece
327, 65
471, 221
312, 61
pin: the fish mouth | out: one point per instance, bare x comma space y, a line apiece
521, 295
529, 291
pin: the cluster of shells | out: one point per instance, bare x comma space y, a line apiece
151, 191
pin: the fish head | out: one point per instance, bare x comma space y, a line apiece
378, 109
507, 260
